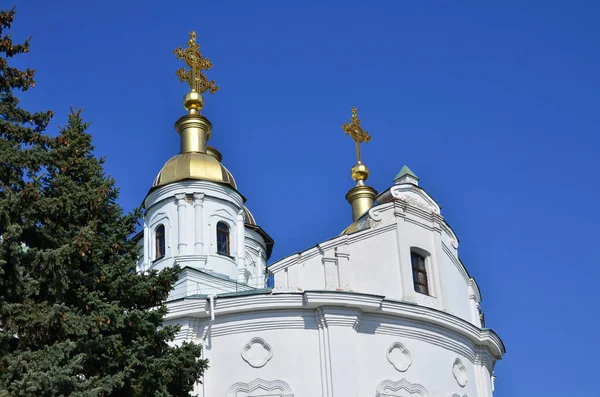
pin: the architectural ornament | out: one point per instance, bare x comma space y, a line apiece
257, 352
399, 356
389, 388
194, 60
260, 387
460, 373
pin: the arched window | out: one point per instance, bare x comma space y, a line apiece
222, 238
419, 273
159, 242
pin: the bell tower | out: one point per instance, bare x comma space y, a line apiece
195, 216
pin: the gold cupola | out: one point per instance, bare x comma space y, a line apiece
361, 197
196, 160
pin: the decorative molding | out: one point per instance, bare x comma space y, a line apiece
210, 189
257, 352
260, 387
474, 290
391, 388
457, 395
483, 357
154, 219
460, 372
193, 261
398, 209
370, 232
399, 356
459, 266
415, 197
249, 260
381, 325
231, 216
339, 254
314, 299
376, 213
380, 315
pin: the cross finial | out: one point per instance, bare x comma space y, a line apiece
356, 132
194, 76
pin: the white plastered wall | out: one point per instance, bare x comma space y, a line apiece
377, 260
344, 344
190, 211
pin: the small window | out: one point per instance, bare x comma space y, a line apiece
222, 238
419, 273
159, 242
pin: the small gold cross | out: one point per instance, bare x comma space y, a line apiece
194, 76
356, 132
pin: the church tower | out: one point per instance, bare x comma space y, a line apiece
195, 216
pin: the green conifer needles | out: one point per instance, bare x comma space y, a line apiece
76, 319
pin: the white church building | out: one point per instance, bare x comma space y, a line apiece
329, 325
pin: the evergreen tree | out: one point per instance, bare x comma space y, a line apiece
76, 319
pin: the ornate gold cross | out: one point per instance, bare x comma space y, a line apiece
356, 132
194, 76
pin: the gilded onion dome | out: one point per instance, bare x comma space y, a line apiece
196, 159
195, 165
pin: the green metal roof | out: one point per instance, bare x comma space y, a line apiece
405, 171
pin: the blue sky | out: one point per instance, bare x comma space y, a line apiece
493, 106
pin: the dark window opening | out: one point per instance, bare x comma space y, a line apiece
159, 238
222, 238
419, 273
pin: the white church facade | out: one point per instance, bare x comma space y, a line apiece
329, 325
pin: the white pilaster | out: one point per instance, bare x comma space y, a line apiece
404, 283
436, 236
198, 223
146, 262
483, 376
240, 247
181, 204
325, 354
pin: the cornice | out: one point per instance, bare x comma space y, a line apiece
314, 299
435, 335
210, 189
448, 230
392, 194
397, 190
327, 245
339, 317
189, 273
371, 232
389, 310
459, 265
253, 238
477, 335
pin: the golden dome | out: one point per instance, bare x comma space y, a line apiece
248, 217
195, 165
